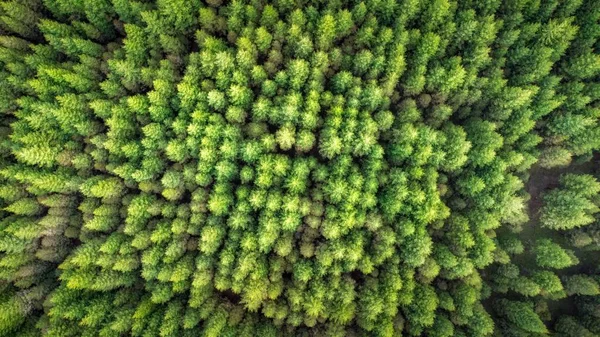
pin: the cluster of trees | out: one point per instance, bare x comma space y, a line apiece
552, 274
259, 168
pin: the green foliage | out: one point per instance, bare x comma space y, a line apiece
571, 205
569, 326
268, 168
548, 281
551, 255
521, 314
12, 314
581, 285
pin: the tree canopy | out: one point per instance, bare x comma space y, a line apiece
306, 168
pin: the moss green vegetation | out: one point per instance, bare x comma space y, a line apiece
297, 168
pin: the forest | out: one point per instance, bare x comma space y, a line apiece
334, 168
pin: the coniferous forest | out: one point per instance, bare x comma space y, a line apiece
299, 168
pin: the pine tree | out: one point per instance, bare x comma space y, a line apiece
570, 206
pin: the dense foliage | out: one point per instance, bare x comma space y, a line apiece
317, 168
